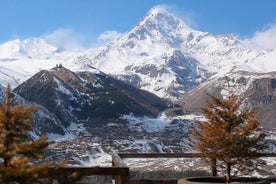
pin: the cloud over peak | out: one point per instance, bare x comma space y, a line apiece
265, 40
66, 39
109, 35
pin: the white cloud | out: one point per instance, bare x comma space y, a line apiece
66, 39
109, 35
262, 39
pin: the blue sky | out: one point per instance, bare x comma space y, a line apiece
83, 22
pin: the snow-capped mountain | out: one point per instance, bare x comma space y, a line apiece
36, 48
161, 54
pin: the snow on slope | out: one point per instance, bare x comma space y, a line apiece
263, 64
13, 77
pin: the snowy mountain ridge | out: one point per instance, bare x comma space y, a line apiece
36, 48
161, 54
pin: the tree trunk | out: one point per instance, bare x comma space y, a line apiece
228, 177
214, 166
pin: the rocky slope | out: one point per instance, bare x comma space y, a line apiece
44, 122
89, 98
258, 88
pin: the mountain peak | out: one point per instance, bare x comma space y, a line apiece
164, 16
31, 48
157, 10
160, 26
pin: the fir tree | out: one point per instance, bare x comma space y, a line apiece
230, 133
20, 156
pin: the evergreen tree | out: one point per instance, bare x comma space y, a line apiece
20, 156
230, 133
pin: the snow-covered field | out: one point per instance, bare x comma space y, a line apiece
143, 135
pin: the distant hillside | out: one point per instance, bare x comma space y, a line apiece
43, 121
258, 88
86, 97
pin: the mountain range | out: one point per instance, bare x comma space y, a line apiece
161, 54
161, 68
